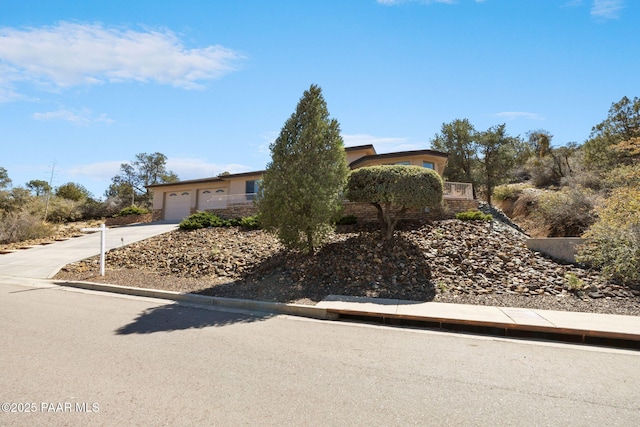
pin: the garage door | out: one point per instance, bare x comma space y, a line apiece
212, 198
177, 205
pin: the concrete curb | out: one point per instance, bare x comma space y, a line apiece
392, 318
240, 304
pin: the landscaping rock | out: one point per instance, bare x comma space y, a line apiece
446, 261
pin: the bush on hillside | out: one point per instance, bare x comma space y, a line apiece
133, 210
208, 220
347, 220
18, 226
614, 240
250, 222
566, 213
473, 215
202, 220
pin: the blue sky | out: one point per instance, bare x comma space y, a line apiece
87, 85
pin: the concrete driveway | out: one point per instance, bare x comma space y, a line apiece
43, 262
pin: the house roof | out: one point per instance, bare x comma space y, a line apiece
398, 154
360, 147
218, 178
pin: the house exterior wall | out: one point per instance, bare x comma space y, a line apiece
233, 202
356, 153
438, 162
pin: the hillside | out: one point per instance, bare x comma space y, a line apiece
444, 261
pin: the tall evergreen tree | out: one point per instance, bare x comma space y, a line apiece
301, 191
458, 139
496, 156
621, 127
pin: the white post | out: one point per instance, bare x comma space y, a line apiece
103, 246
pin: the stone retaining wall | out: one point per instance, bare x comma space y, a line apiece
235, 211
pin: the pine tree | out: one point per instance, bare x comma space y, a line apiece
301, 192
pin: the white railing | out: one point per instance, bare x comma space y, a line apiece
458, 190
228, 200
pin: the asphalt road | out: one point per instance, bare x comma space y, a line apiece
73, 357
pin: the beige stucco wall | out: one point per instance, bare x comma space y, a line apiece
237, 185
438, 162
353, 155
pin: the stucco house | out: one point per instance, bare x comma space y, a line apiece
232, 195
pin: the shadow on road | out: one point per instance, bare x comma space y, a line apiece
175, 317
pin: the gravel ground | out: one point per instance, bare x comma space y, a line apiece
443, 261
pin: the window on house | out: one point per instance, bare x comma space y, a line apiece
429, 165
252, 187
406, 163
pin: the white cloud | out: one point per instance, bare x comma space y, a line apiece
195, 168
82, 118
514, 115
70, 54
606, 9
99, 171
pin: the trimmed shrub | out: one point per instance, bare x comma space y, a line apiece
393, 189
614, 240
474, 215
202, 220
249, 222
347, 220
133, 210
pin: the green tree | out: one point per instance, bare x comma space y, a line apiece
301, 191
5, 181
131, 184
394, 189
621, 125
39, 187
72, 191
496, 157
458, 139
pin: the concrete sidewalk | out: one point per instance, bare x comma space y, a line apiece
508, 321
589, 328
45, 261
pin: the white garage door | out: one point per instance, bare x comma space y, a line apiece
177, 205
212, 198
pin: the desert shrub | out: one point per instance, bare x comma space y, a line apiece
504, 192
526, 203
543, 172
63, 210
347, 220
473, 215
202, 220
94, 209
133, 210
614, 240
250, 222
566, 213
623, 176
17, 226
